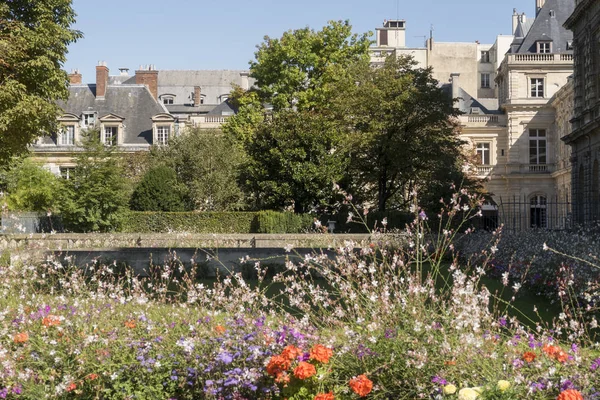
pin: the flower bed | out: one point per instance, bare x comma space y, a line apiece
374, 327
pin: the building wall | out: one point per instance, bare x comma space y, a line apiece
448, 58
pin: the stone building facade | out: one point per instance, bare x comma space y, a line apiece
585, 136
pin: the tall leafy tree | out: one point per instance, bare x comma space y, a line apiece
405, 137
299, 69
157, 191
97, 193
293, 160
34, 36
207, 162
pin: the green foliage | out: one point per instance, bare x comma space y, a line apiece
34, 37
299, 70
30, 187
250, 114
193, 222
208, 162
293, 161
96, 195
157, 191
396, 220
283, 222
405, 138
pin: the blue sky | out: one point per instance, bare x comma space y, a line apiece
201, 34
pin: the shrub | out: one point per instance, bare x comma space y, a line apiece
283, 222
192, 222
157, 191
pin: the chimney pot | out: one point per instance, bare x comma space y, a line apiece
75, 77
148, 77
101, 79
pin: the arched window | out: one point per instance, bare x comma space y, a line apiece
538, 215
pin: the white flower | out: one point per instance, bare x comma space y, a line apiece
288, 247
545, 247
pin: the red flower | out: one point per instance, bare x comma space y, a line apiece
51, 320
361, 385
220, 329
304, 370
72, 386
324, 396
321, 353
21, 337
277, 365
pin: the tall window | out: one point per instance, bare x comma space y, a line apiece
89, 119
485, 56
109, 136
66, 172
537, 146
485, 81
537, 87
538, 212
67, 136
162, 135
483, 153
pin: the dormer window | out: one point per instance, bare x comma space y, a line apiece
110, 135
544, 47
168, 99
223, 98
485, 56
88, 119
162, 135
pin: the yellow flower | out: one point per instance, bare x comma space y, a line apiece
449, 389
467, 394
503, 385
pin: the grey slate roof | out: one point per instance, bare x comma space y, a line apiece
548, 26
222, 109
213, 84
132, 102
467, 102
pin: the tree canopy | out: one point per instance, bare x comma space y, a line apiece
158, 191
34, 36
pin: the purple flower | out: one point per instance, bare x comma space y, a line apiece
439, 380
225, 358
595, 364
503, 321
567, 385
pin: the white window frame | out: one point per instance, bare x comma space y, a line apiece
485, 80
537, 87
163, 134
168, 100
65, 172
87, 116
544, 47
114, 135
66, 137
538, 140
484, 152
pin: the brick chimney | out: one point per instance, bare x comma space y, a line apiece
101, 79
148, 75
75, 77
197, 96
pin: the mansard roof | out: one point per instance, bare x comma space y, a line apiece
548, 26
133, 103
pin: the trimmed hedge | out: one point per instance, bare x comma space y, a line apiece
215, 222
283, 222
192, 222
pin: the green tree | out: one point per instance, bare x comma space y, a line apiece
157, 191
207, 162
97, 194
34, 36
405, 135
29, 187
302, 68
294, 159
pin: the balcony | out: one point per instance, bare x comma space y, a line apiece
209, 121
543, 58
479, 121
484, 170
530, 168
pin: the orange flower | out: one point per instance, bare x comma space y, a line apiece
528, 356
130, 324
283, 377
72, 386
324, 396
21, 337
277, 365
91, 377
570, 394
451, 362
550, 350
361, 385
291, 352
51, 320
220, 329
304, 370
321, 353
561, 356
